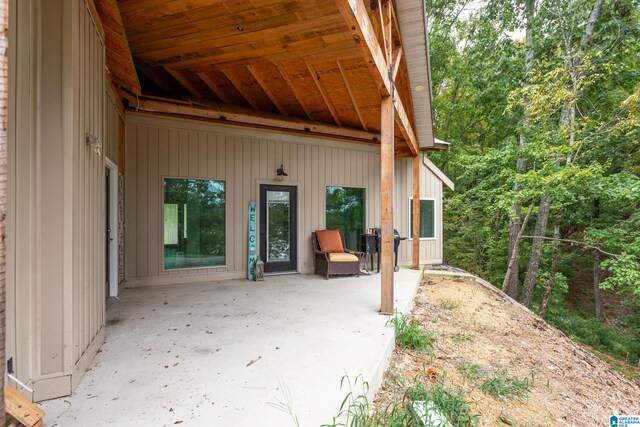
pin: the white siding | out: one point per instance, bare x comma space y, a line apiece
158, 147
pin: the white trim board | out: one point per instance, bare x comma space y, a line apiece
113, 226
435, 219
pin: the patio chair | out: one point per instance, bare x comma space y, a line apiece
331, 255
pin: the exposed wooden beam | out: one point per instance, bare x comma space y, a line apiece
386, 205
396, 61
211, 84
184, 82
158, 75
267, 89
355, 15
239, 116
295, 91
240, 88
324, 94
384, 23
403, 122
352, 96
388, 6
118, 54
415, 227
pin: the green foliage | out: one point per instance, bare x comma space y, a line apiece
500, 384
496, 381
194, 211
621, 342
410, 335
495, 114
355, 410
345, 211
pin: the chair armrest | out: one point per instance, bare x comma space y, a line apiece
323, 253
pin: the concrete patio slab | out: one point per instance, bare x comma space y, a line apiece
221, 354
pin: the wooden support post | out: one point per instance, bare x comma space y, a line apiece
386, 205
415, 227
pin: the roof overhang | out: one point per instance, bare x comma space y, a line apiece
305, 60
412, 18
446, 182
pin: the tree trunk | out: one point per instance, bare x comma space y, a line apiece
552, 272
536, 252
596, 283
510, 285
512, 260
512, 281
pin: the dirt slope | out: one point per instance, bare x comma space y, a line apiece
476, 325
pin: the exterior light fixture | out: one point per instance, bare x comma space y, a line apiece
280, 171
418, 88
93, 142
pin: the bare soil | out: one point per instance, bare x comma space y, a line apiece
477, 324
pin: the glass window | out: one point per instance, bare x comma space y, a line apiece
345, 211
427, 218
196, 205
278, 228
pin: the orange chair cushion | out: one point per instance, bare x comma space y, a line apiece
343, 257
330, 241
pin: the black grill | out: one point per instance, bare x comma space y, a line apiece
370, 244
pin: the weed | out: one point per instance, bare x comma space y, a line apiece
393, 377
286, 405
355, 411
461, 337
471, 371
501, 385
449, 402
497, 382
410, 335
449, 304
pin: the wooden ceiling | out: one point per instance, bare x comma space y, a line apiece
293, 58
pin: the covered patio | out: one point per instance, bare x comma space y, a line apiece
221, 353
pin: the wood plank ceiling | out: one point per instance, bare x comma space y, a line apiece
289, 57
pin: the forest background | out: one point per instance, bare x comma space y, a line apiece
540, 101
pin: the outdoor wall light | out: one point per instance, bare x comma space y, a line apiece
93, 142
280, 171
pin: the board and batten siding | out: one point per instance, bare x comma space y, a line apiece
112, 121
55, 286
158, 147
89, 184
430, 188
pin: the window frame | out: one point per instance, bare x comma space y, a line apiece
364, 204
161, 239
435, 219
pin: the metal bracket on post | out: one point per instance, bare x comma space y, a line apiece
393, 84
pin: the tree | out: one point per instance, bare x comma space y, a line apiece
541, 104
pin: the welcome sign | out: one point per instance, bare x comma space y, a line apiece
253, 250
